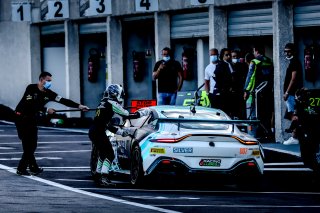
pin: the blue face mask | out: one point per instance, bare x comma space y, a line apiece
166, 58
235, 60
213, 58
47, 85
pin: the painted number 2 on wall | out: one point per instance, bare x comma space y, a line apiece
147, 5
58, 9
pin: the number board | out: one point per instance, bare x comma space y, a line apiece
147, 5
201, 2
21, 11
314, 101
138, 104
99, 7
58, 9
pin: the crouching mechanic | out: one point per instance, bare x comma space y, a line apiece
109, 107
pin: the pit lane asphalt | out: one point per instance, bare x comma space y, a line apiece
36, 194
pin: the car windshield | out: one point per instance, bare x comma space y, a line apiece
206, 115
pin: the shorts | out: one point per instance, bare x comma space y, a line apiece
291, 103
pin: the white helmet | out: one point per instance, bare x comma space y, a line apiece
114, 92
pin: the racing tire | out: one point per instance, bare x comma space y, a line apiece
136, 168
93, 160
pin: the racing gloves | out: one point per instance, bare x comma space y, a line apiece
144, 112
124, 132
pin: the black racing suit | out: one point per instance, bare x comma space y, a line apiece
107, 110
27, 112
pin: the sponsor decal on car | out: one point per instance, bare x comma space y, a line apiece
182, 150
256, 152
210, 162
157, 151
243, 151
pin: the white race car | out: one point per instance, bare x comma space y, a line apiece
176, 139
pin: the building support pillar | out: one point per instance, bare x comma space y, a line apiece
217, 28
200, 61
162, 33
73, 87
114, 66
282, 34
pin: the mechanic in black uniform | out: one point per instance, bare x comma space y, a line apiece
108, 110
29, 109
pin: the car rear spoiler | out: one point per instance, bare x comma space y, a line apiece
188, 120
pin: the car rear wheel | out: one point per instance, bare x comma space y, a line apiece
136, 170
93, 159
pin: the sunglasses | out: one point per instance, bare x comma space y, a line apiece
227, 55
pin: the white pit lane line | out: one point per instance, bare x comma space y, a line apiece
68, 188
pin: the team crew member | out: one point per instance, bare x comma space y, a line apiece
30, 107
110, 107
168, 71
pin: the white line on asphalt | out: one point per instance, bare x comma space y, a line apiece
285, 164
6, 148
48, 142
283, 151
52, 128
58, 185
147, 197
198, 191
37, 158
241, 206
73, 180
41, 152
77, 180
60, 135
288, 169
67, 167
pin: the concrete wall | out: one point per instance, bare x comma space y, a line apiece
15, 60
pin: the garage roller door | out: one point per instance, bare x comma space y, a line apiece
253, 22
307, 14
190, 25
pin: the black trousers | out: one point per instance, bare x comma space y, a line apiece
101, 141
28, 134
220, 101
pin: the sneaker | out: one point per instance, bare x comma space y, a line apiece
291, 141
23, 172
36, 170
104, 181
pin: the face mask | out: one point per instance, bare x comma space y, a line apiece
235, 60
289, 58
213, 58
166, 58
47, 85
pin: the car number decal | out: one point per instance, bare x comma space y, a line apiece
210, 162
182, 150
157, 151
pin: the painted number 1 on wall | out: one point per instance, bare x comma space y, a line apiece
21, 12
